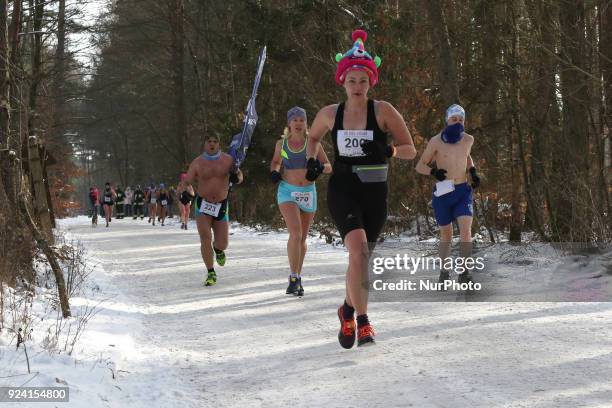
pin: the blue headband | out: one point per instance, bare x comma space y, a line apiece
295, 112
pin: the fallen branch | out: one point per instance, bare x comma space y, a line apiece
51, 258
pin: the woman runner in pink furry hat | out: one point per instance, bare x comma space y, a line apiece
357, 192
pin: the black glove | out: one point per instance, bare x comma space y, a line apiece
377, 149
275, 176
233, 178
314, 168
439, 174
475, 178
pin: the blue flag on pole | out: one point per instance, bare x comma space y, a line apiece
240, 142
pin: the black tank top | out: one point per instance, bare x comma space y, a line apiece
350, 144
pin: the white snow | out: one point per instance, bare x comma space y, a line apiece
244, 343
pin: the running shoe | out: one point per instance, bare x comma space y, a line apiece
300, 288
365, 335
220, 257
293, 285
346, 335
211, 279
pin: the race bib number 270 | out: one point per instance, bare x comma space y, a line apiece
350, 141
303, 198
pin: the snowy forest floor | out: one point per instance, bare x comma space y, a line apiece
172, 342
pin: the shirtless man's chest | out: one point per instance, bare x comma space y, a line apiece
453, 158
213, 177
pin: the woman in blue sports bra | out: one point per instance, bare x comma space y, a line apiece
296, 196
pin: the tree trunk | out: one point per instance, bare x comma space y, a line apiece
447, 69
14, 32
513, 103
39, 8
43, 158
571, 156
60, 74
178, 72
605, 63
490, 89
4, 79
7, 221
542, 110
200, 100
18, 141
41, 206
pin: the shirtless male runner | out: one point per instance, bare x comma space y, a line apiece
212, 172
452, 196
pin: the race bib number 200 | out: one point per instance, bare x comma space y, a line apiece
210, 208
303, 198
350, 141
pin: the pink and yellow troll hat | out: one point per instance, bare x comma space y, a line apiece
357, 58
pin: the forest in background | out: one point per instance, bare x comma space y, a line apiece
534, 77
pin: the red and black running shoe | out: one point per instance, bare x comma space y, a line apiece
346, 335
365, 335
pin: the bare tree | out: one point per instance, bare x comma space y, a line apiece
447, 69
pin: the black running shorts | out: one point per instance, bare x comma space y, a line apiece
356, 205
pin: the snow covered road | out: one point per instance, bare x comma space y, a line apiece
245, 343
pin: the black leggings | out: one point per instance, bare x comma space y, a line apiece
137, 210
356, 205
